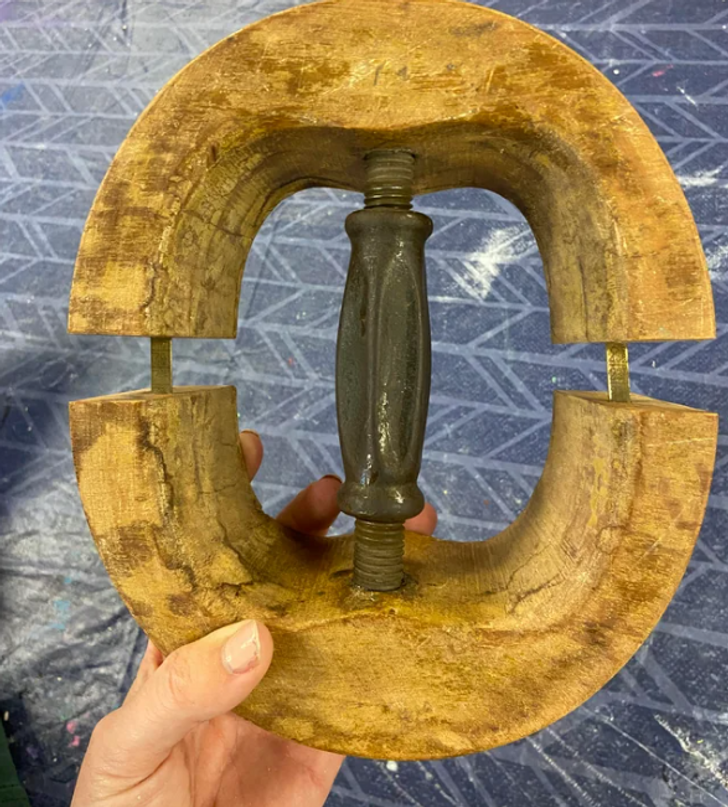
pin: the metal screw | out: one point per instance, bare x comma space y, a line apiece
617, 372
378, 555
161, 356
389, 179
379, 547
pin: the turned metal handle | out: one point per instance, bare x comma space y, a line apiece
383, 369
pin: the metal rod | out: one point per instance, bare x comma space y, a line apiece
387, 397
378, 555
161, 354
389, 179
617, 372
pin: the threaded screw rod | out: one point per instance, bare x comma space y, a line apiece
379, 546
390, 174
378, 555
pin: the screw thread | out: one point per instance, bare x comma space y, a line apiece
379, 548
378, 555
390, 175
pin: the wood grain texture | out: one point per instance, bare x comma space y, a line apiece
484, 100
487, 642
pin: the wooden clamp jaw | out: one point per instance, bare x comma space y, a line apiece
486, 642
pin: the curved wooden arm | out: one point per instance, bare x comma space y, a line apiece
488, 641
483, 99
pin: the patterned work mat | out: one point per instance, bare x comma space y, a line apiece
73, 77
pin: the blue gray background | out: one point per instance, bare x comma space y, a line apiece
74, 74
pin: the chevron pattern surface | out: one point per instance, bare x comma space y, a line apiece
74, 75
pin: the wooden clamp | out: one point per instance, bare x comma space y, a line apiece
485, 642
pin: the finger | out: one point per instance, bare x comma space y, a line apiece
425, 522
193, 684
315, 508
150, 662
252, 447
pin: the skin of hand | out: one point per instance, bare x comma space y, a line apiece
175, 741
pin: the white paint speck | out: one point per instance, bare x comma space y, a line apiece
718, 262
392, 766
702, 179
688, 97
484, 265
706, 757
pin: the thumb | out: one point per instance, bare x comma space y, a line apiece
193, 684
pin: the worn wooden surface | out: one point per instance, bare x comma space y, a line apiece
486, 643
483, 99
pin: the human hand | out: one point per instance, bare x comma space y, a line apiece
175, 741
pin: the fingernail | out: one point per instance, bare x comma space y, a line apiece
333, 476
250, 431
241, 652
